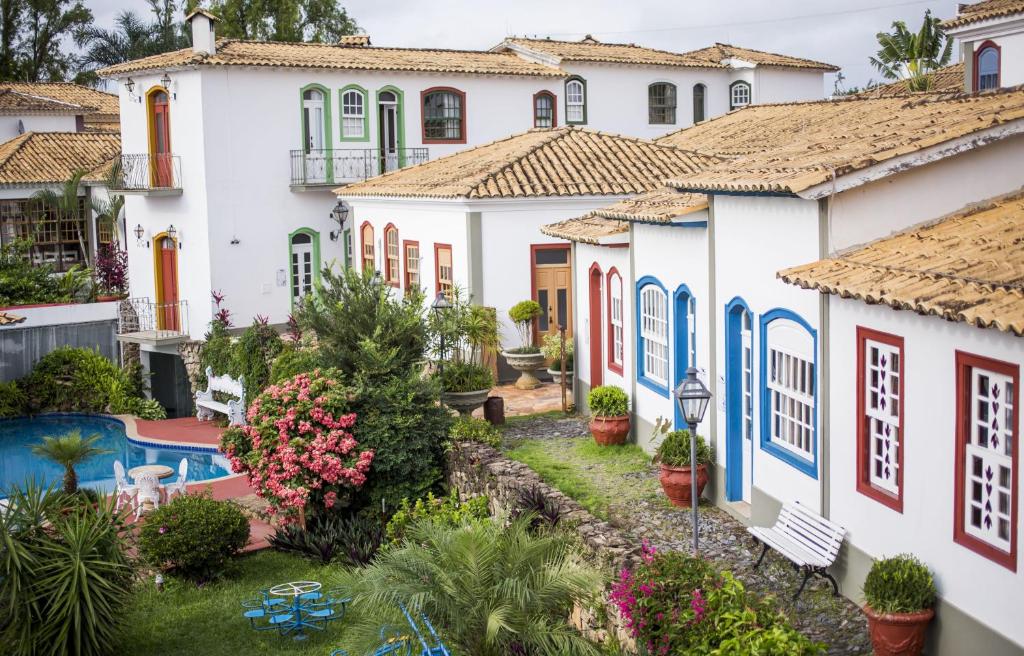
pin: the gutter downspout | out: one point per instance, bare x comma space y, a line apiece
824, 369
713, 325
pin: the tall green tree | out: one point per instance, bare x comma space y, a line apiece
45, 27
318, 21
11, 13
131, 38
910, 56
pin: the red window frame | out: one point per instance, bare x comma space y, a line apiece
864, 485
387, 257
965, 363
977, 71
370, 261
612, 365
437, 265
462, 116
405, 263
554, 107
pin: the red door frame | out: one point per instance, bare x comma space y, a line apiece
596, 323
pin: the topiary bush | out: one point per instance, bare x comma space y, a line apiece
471, 429
523, 314
901, 584
608, 401
674, 450
444, 511
194, 536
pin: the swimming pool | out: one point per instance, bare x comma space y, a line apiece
18, 463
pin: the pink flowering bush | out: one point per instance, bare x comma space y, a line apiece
675, 604
298, 449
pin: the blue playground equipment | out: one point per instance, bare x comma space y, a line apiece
308, 608
399, 642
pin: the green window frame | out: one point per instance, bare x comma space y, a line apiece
571, 104
343, 108
346, 247
292, 269
328, 135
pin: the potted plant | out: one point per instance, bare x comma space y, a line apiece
465, 386
526, 358
462, 335
609, 406
111, 273
552, 350
900, 593
673, 454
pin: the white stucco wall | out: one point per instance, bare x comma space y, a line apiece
983, 589
1008, 34
606, 258
776, 85
34, 123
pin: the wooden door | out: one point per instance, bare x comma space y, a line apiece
167, 285
596, 327
552, 277
162, 172
315, 135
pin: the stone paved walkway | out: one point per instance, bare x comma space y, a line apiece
518, 402
641, 511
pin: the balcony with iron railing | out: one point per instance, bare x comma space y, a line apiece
141, 321
147, 175
316, 169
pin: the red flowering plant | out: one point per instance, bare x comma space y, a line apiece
297, 449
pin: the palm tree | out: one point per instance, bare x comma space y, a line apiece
489, 590
69, 450
913, 57
70, 208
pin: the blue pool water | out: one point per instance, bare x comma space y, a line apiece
18, 463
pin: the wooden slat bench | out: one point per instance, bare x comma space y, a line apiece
807, 539
206, 405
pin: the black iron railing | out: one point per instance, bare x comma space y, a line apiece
315, 167
145, 172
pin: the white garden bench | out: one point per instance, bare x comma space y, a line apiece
206, 405
807, 539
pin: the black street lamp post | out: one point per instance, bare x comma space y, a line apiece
441, 306
693, 398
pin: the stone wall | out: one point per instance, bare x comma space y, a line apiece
477, 469
190, 352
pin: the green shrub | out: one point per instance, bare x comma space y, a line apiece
65, 575
523, 314
294, 361
608, 401
217, 352
141, 408
465, 377
21, 282
444, 511
471, 429
552, 350
13, 402
350, 539
194, 535
253, 354
674, 450
901, 584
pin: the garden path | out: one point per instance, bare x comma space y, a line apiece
624, 489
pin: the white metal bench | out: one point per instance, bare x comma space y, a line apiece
807, 539
206, 405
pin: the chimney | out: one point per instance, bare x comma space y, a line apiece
204, 37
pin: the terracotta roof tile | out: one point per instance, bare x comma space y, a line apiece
968, 267
980, 11
721, 52
588, 229
96, 102
14, 103
658, 206
949, 79
566, 161
789, 148
234, 52
44, 157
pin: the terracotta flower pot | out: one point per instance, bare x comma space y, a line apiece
610, 430
676, 483
107, 298
898, 634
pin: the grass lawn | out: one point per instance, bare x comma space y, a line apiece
187, 620
592, 475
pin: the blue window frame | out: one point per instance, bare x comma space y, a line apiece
652, 350
685, 332
739, 392
789, 389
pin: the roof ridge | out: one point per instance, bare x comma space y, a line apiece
25, 137
361, 48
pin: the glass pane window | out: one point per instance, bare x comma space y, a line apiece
615, 290
882, 371
412, 266
543, 110
698, 102
988, 499
444, 270
369, 256
57, 241
661, 103
791, 397
575, 102
353, 114
654, 333
391, 269
739, 95
747, 339
442, 116
988, 68
302, 265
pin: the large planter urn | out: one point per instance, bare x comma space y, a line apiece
898, 634
677, 483
556, 376
525, 364
610, 430
465, 402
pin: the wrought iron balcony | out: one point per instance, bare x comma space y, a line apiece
142, 321
146, 174
319, 168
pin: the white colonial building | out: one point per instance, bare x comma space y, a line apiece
991, 39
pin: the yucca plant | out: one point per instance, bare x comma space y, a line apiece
489, 590
67, 451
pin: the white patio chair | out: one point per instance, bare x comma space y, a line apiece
125, 491
178, 486
149, 490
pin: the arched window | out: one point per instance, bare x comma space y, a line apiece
304, 249
575, 101
162, 171
444, 116
544, 115
986, 66
699, 103
313, 120
616, 339
789, 392
652, 329
369, 256
392, 263
661, 103
354, 117
739, 94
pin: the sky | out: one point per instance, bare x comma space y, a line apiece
840, 32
